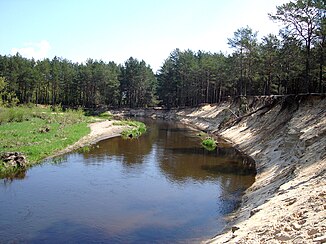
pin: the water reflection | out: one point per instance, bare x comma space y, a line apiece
130, 151
18, 174
162, 187
177, 150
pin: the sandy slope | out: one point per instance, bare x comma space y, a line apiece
287, 201
287, 138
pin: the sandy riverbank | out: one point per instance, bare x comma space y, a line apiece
99, 131
287, 201
286, 136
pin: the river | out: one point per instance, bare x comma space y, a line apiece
160, 188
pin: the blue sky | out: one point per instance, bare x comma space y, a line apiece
114, 30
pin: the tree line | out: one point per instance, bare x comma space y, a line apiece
59, 81
292, 62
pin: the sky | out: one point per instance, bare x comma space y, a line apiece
114, 30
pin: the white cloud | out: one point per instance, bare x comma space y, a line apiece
38, 50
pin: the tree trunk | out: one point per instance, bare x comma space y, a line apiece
321, 64
307, 71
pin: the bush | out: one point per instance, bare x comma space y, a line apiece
209, 143
15, 114
138, 128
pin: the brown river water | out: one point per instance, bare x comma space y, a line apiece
160, 188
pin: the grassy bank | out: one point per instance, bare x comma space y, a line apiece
136, 129
39, 132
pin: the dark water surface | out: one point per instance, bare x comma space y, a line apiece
160, 188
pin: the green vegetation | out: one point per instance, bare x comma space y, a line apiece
105, 115
61, 82
87, 148
136, 130
209, 143
11, 172
39, 132
6, 98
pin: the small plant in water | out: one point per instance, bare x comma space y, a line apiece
59, 159
209, 143
136, 130
84, 149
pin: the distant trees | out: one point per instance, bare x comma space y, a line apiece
2, 87
188, 79
137, 84
245, 44
293, 62
6, 98
59, 81
269, 69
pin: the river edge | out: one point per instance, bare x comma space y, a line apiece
286, 136
100, 130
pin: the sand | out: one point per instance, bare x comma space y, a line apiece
287, 202
99, 131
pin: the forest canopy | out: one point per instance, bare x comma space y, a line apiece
291, 63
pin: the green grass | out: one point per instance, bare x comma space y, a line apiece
16, 114
106, 115
136, 130
209, 143
39, 132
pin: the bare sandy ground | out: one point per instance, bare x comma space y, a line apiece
99, 131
